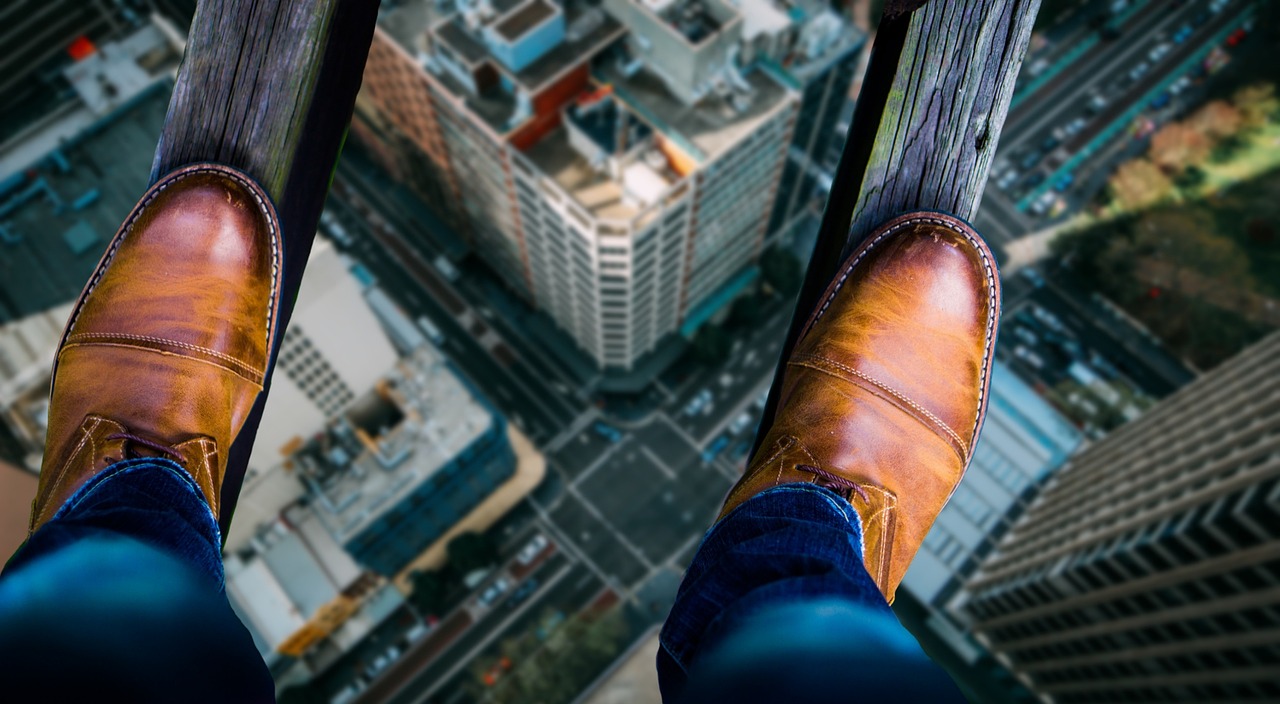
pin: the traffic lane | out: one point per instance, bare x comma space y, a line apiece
534, 353
597, 541
673, 448
576, 592
519, 372
426, 243
729, 383
657, 508
1028, 120
574, 587
392, 260
1197, 42
435, 284
1146, 363
583, 451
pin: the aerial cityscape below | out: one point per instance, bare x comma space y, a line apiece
552, 279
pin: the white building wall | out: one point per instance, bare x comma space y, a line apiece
1023, 439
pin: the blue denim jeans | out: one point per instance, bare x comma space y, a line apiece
120, 597
778, 607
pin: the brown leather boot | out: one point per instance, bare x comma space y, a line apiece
166, 349
885, 391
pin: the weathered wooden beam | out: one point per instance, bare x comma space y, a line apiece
933, 102
268, 86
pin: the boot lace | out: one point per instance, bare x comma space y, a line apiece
130, 440
835, 482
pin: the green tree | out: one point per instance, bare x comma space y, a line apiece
781, 271
1190, 177
471, 551
748, 310
711, 344
429, 591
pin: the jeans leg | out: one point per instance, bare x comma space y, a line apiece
121, 597
777, 606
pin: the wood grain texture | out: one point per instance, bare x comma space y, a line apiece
268, 86
932, 106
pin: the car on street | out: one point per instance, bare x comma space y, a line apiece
1041, 205
1162, 101
493, 592
1030, 160
1049, 320
698, 403
1033, 180
1049, 144
1032, 359
445, 267
1182, 34
430, 330
532, 549
1063, 182
726, 380
1159, 51
1033, 276
714, 449
1181, 84
740, 423
334, 229
1025, 335
522, 592
606, 431
1139, 70
1236, 37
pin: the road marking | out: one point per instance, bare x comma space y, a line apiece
662, 466
622, 538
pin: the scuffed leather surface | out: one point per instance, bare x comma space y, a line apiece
171, 336
887, 386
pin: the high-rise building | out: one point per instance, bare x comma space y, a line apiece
1148, 569
616, 163
1024, 439
821, 66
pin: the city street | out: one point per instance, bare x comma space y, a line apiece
1064, 125
627, 500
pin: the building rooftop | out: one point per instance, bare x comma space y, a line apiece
710, 127
57, 215
390, 441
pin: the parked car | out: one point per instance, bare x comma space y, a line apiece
493, 592
445, 267
522, 592
740, 423
698, 403
714, 450
532, 549
606, 431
